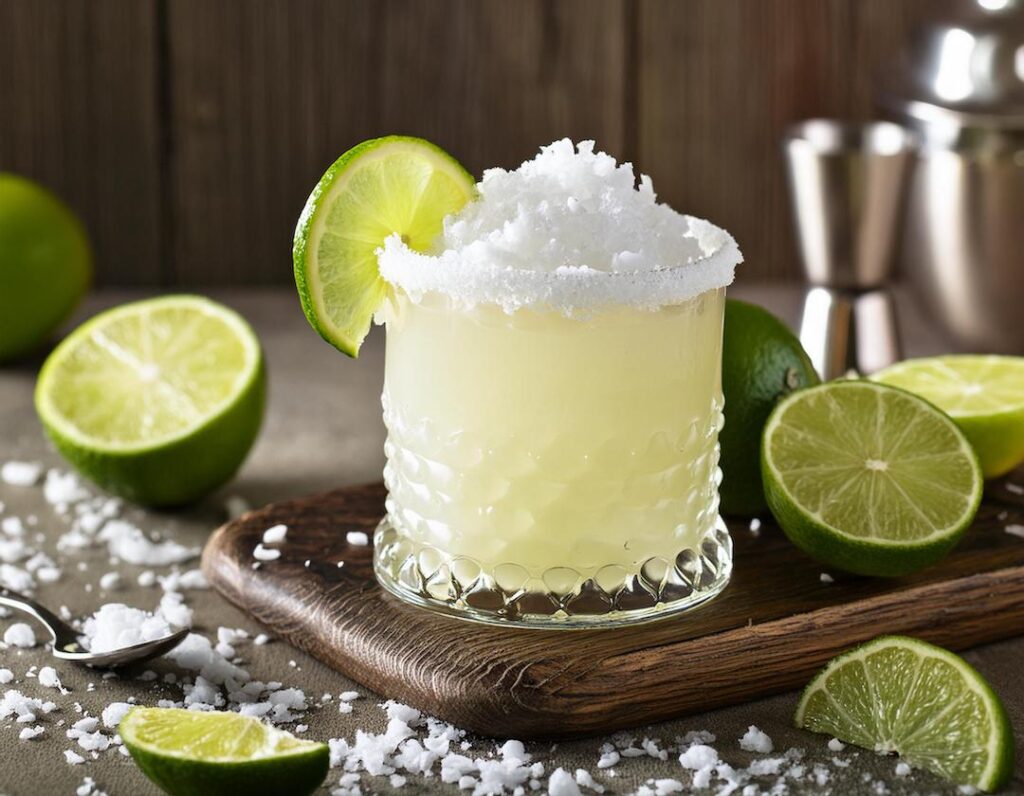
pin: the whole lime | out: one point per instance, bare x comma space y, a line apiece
762, 361
45, 264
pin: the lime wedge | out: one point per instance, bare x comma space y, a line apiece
898, 694
868, 478
392, 185
158, 400
983, 394
193, 753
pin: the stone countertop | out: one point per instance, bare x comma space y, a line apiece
323, 429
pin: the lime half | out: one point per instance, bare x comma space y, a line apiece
195, 753
158, 400
929, 706
392, 185
983, 394
868, 478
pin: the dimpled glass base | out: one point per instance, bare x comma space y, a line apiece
558, 597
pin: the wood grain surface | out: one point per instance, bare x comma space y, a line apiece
79, 112
188, 133
774, 625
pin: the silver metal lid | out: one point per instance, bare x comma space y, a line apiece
968, 70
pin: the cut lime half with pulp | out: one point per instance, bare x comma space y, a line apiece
900, 695
195, 753
983, 394
158, 401
868, 478
386, 186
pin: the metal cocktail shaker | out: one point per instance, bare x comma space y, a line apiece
961, 89
846, 182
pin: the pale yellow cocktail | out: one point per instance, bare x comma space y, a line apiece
552, 451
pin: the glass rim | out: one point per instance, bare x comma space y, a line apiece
570, 290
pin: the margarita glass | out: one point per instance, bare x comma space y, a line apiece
552, 450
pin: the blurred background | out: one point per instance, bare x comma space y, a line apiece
188, 133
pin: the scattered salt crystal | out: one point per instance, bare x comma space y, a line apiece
698, 756
261, 553
48, 574
20, 473
836, 745
114, 712
61, 489
824, 577
12, 526
6, 676
608, 758
73, 757
902, 769
110, 581
561, 783
28, 733
345, 707
48, 677
1015, 530
16, 578
275, 534
178, 581
146, 578
261, 639
20, 635
585, 780
89, 786
129, 543
1016, 489
755, 526
357, 538
348, 696
174, 610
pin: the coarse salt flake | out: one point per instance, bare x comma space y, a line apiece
20, 635
275, 534
16, 473
261, 553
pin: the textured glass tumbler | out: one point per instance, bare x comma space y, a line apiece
550, 470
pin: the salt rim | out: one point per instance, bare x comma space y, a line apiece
476, 261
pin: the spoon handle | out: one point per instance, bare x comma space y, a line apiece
53, 623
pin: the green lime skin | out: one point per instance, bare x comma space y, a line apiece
762, 361
174, 473
298, 774
45, 265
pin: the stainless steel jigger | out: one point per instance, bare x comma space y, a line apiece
846, 181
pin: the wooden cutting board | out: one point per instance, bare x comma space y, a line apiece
775, 624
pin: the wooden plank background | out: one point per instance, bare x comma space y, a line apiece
188, 133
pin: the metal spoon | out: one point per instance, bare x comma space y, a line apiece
66, 645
